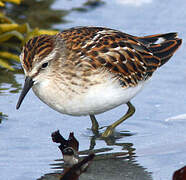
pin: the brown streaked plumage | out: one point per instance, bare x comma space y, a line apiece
39, 46
79, 64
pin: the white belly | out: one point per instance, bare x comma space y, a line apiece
96, 99
102, 98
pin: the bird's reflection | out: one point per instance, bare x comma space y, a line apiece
111, 140
108, 163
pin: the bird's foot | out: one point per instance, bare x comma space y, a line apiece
108, 132
95, 129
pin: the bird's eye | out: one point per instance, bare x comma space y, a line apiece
44, 65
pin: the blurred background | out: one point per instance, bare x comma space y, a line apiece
152, 145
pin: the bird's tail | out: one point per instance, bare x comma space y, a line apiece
162, 46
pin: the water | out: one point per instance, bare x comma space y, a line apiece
155, 146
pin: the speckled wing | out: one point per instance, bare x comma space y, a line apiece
131, 59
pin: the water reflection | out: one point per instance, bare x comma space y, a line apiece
107, 165
2, 117
111, 169
111, 140
8, 82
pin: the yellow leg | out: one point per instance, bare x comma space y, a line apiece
110, 129
95, 125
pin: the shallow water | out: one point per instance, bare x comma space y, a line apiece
155, 144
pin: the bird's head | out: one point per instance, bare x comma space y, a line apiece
37, 58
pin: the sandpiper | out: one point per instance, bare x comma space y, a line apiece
90, 70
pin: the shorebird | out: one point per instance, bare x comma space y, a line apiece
90, 70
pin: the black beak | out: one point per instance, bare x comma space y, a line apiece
28, 84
